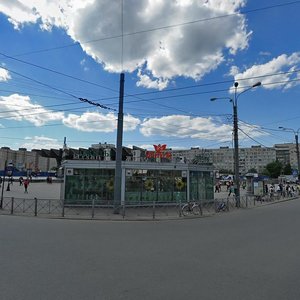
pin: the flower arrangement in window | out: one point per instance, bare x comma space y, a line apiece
110, 184
149, 185
179, 183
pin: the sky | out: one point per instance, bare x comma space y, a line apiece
60, 65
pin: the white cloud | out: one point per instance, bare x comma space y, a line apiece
186, 126
41, 142
98, 122
280, 64
265, 53
191, 50
83, 64
146, 81
198, 128
4, 75
20, 108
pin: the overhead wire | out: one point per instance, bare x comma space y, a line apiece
163, 27
187, 87
160, 91
59, 90
251, 138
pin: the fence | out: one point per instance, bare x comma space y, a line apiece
155, 210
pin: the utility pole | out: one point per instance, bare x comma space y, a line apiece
297, 150
2, 187
236, 149
118, 170
236, 138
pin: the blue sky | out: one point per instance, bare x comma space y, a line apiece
176, 55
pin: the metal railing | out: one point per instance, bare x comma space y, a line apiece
134, 210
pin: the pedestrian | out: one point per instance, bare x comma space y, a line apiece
217, 188
272, 191
26, 183
227, 186
21, 180
278, 190
231, 190
244, 185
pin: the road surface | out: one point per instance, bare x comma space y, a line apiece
247, 254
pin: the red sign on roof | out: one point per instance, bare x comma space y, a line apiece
160, 152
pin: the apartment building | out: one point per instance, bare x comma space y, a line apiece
287, 154
26, 160
255, 157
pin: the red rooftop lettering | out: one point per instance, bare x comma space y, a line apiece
160, 152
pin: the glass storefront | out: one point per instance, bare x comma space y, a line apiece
155, 185
85, 185
201, 186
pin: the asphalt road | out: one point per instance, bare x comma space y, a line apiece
247, 254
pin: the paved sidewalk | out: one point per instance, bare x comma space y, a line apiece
40, 190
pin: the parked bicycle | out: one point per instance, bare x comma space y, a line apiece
191, 208
222, 206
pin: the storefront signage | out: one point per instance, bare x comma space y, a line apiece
160, 152
87, 154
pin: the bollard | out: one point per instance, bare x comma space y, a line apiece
227, 204
200, 206
179, 211
63, 209
123, 210
93, 208
12, 205
153, 210
35, 206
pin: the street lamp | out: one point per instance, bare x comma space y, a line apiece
297, 145
236, 137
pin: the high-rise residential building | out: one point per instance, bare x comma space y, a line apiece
287, 154
23, 160
255, 157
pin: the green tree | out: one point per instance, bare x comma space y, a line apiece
287, 170
273, 169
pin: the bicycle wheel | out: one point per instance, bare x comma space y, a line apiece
196, 209
186, 211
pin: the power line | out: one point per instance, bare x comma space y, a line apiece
252, 138
260, 129
56, 89
163, 27
152, 92
157, 98
57, 72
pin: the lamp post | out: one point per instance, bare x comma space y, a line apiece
296, 133
236, 138
3, 182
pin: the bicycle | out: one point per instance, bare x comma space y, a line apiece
222, 206
191, 208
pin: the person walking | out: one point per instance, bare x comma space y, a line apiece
26, 183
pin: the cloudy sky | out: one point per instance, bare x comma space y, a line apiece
176, 56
